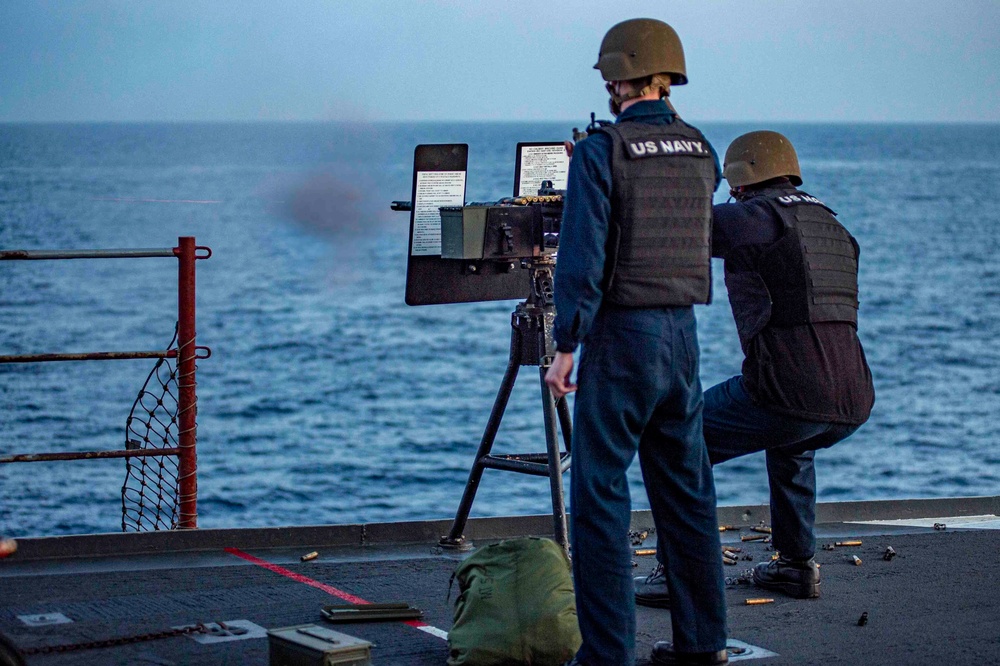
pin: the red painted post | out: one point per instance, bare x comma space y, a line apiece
187, 401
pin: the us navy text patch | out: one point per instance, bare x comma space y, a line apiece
662, 147
796, 199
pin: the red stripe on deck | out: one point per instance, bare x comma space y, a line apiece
305, 580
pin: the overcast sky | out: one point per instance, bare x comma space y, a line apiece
218, 60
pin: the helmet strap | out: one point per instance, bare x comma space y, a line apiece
739, 192
659, 82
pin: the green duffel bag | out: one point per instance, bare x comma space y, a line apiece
515, 606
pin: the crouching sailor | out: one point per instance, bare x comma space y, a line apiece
792, 274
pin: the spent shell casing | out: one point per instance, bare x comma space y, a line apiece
753, 537
856, 542
309, 556
759, 601
889, 553
727, 528
762, 529
856, 560
638, 537
732, 549
645, 551
728, 560
940, 526
863, 620
828, 546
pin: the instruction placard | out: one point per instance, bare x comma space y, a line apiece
434, 189
537, 162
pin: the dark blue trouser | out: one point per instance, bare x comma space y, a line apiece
639, 391
736, 426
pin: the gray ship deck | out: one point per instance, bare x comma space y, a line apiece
935, 602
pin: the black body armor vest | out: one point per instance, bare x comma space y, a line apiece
659, 242
807, 276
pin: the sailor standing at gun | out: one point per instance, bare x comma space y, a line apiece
633, 259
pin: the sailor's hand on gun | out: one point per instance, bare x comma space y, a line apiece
558, 374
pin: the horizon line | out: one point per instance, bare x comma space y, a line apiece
386, 121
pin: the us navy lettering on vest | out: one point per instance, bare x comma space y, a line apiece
797, 199
666, 147
659, 235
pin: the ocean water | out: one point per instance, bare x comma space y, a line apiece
327, 400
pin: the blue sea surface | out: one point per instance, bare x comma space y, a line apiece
327, 400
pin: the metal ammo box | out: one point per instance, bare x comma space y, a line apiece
462, 231
311, 645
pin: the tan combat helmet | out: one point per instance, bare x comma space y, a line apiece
638, 48
759, 156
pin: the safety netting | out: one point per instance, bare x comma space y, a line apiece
151, 490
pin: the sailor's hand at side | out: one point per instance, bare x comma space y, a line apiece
558, 374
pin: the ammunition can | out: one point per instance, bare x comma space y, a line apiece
462, 231
311, 645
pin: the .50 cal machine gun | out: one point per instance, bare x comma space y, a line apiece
511, 229
515, 228
496, 251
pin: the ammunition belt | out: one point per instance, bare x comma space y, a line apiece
545, 198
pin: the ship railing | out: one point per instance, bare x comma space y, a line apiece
185, 354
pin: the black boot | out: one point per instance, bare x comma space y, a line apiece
663, 653
796, 578
652, 590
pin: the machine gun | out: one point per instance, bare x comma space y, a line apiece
512, 229
505, 249
498, 250
507, 230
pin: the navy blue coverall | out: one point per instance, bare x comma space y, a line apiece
802, 388
639, 391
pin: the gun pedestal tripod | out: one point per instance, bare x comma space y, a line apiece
530, 344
